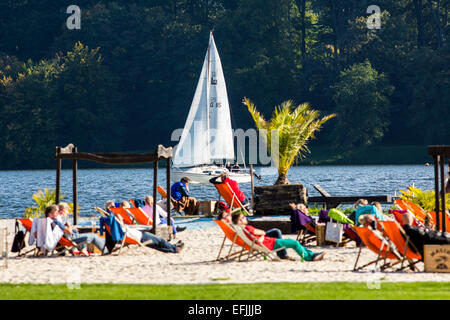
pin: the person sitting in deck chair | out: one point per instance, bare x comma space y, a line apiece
223, 178
274, 243
300, 217
420, 237
181, 199
81, 239
161, 215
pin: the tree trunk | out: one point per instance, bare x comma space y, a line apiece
282, 179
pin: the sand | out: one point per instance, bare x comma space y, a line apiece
197, 264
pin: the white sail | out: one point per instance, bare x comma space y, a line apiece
193, 148
207, 133
221, 134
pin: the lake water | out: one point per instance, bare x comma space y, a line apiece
95, 186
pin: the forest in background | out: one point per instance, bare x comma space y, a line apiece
125, 80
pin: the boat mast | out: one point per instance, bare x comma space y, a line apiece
207, 91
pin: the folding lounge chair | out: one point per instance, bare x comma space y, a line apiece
140, 216
64, 244
230, 198
126, 217
406, 248
127, 239
306, 234
380, 246
256, 249
232, 236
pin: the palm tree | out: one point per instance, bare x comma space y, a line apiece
44, 199
294, 129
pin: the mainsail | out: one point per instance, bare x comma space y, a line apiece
207, 133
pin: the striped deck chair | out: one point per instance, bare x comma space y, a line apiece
379, 245
401, 240
230, 198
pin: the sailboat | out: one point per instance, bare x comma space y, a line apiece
207, 137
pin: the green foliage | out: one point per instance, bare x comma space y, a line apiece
137, 63
293, 129
423, 198
43, 199
362, 105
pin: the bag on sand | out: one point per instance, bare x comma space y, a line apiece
334, 232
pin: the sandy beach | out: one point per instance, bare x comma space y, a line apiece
196, 264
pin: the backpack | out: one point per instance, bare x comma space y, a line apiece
18, 242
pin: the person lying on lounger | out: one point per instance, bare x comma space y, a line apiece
272, 243
154, 241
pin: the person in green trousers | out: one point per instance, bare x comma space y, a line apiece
272, 243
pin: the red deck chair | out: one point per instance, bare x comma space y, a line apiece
379, 246
408, 251
126, 217
62, 243
140, 216
231, 235
230, 198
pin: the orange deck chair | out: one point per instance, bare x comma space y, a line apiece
126, 217
140, 216
230, 198
62, 243
127, 240
406, 248
231, 235
379, 246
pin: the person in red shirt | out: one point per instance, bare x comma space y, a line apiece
223, 178
272, 243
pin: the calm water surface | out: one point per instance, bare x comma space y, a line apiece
95, 186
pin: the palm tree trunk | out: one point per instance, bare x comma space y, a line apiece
282, 179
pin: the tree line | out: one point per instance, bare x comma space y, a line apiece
125, 80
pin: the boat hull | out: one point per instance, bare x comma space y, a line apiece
203, 175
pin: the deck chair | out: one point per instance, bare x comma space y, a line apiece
231, 199
401, 240
124, 213
447, 222
127, 239
64, 244
380, 246
307, 233
236, 241
140, 216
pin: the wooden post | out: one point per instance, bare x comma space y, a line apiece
436, 190
252, 185
74, 188
58, 175
155, 183
168, 190
443, 194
